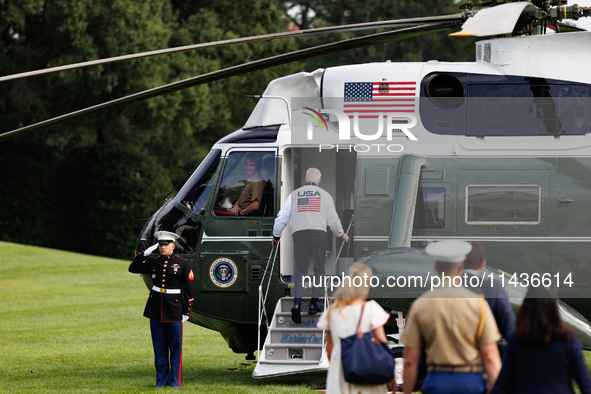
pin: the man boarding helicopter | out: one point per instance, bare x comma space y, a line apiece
309, 211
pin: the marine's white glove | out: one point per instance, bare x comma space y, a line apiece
185, 318
149, 251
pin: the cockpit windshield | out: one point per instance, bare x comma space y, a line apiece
196, 191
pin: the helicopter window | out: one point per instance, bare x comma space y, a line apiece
172, 219
487, 204
195, 194
430, 208
526, 109
488, 105
247, 185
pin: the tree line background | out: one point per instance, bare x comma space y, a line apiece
87, 185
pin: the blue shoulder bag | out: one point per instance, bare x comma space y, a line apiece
366, 361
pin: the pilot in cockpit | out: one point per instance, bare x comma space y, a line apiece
249, 201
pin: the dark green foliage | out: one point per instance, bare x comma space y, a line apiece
103, 192
27, 200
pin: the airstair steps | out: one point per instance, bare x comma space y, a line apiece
289, 347
290, 353
283, 319
296, 336
287, 303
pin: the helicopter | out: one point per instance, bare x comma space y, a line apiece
493, 151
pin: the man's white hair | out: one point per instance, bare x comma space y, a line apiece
313, 175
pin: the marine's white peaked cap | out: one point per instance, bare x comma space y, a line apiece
449, 251
165, 236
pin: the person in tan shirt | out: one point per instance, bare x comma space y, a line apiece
251, 195
455, 328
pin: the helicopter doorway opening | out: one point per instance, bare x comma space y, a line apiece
338, 179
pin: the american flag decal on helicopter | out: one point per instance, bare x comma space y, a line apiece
368, 99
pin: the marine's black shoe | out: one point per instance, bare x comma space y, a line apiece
296, 317
313, 309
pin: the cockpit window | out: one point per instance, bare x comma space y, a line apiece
196, 192
247, 185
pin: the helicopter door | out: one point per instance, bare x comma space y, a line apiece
338, 179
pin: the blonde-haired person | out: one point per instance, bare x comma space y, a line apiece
340, 321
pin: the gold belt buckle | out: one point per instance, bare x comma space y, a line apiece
163, 290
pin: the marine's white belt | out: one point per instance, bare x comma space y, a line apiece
166, 291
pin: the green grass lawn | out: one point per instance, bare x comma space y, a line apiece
72, 323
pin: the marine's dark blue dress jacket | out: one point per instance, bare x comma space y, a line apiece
167, 272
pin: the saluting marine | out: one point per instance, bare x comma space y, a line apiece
169, 305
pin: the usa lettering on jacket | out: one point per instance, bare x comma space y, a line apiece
313, 209
308, 193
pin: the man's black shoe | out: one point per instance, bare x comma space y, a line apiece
295, 314
313, 309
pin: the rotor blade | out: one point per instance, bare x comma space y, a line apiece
494, 21
237, 70
566, 28
333, 29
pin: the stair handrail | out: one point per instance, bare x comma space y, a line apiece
341, 248
263, 299
330, 274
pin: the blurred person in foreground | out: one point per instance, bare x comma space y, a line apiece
341, 320
492, 289
456, 329
543, 354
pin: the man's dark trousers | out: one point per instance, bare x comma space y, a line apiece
167, 339
308, 243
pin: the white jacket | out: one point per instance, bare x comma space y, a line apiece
308, 208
